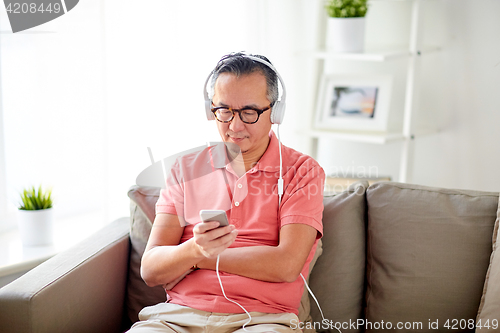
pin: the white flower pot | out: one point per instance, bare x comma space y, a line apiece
36, 227
345, 34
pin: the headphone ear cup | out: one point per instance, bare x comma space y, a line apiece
278, 112
208, 110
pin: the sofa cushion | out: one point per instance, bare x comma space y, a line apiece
428, 251
489, 310
337, 278
305, 303
142, 214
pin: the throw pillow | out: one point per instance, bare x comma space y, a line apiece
142, 213
305, 304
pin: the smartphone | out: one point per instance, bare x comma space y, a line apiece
214, 215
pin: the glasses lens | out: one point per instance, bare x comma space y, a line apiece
249, 115
224, 114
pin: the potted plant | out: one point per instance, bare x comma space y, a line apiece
35, 217
346, 25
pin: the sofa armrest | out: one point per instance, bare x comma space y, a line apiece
81, 289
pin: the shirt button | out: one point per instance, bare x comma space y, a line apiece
240, 185
236, 203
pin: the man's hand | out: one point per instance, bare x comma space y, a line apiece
211, 240
282, 263
166, 259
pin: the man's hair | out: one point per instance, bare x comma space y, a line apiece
240, 64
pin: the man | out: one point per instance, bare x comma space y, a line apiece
271, 238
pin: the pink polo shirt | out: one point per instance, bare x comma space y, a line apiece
205, 180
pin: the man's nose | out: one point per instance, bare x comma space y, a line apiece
236, 124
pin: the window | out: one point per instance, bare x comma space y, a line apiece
85, 95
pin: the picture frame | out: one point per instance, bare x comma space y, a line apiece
353, 102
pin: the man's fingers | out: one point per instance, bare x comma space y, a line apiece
205, 226
211, 231
220, 232
216, 245
213, 252
217, 237
225, 238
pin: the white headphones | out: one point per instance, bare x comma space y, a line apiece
278, 110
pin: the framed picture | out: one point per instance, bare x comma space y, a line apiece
359, 103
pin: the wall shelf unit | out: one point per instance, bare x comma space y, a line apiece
374, 53
412, 52
375, 138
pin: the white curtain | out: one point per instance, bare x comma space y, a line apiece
86, 94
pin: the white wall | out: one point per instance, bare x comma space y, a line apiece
52, 97
467, 154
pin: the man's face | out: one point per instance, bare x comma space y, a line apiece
239, 92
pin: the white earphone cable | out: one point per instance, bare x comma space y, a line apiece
230, 300
316, 300
314, 297
280, 179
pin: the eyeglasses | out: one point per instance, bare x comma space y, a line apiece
248, 115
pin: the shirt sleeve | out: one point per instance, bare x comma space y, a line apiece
303, 198
171, 200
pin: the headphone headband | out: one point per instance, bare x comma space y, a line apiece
278, 110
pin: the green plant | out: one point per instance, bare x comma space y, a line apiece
346, 8
36, 200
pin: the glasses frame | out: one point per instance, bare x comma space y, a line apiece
259, 112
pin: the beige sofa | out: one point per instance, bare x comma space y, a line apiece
395, 257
